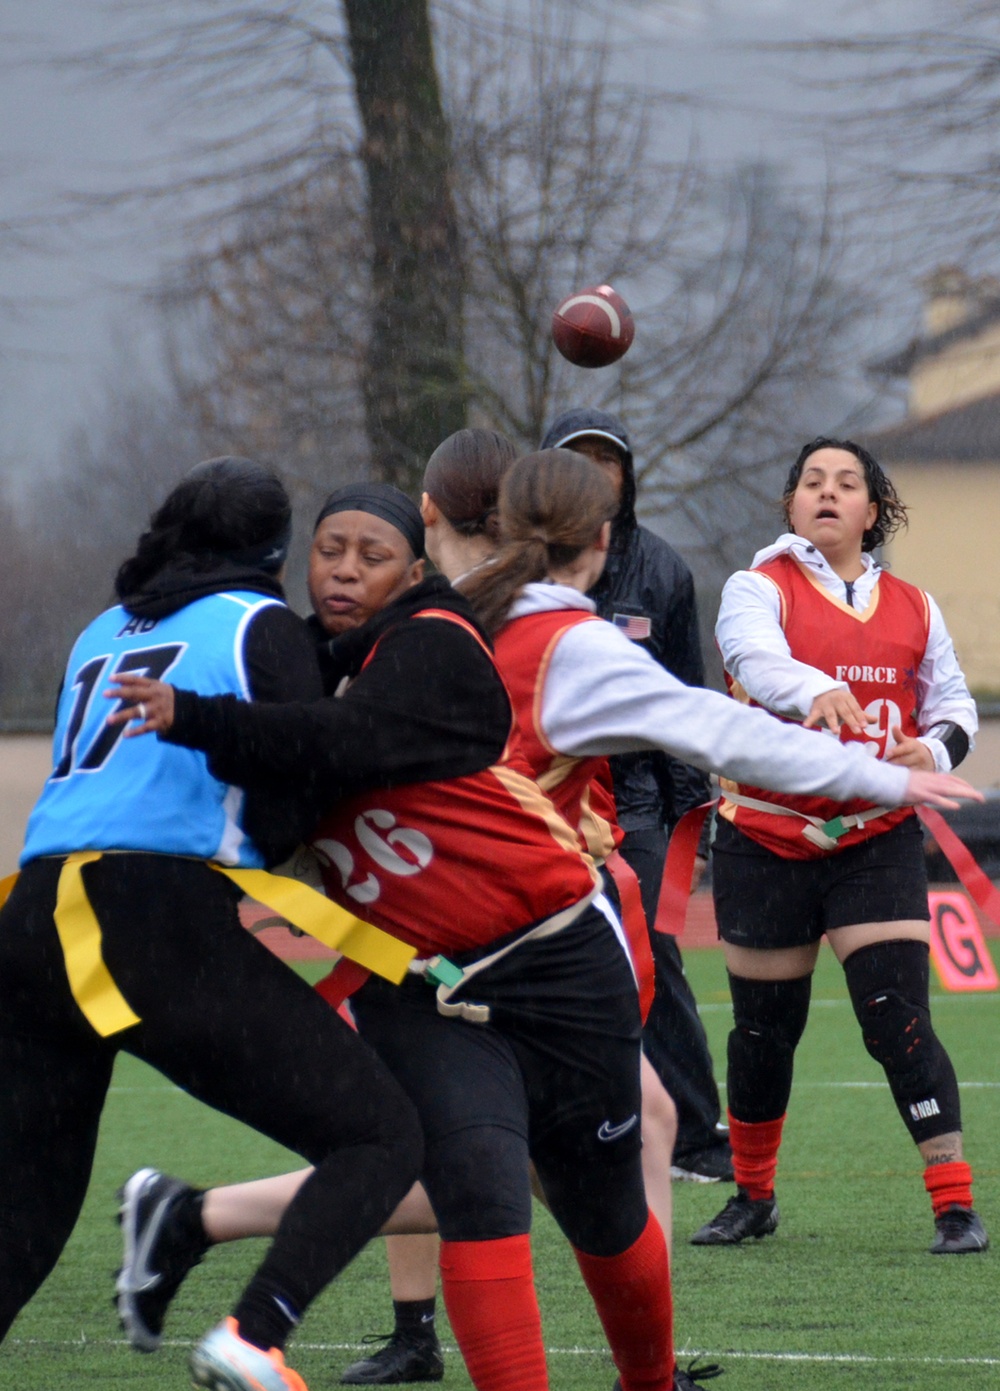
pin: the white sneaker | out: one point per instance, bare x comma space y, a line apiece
223, 1361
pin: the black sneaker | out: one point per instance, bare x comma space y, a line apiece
689, 1379
156, 1258
692, 1378
404, 1358
740, 1218
957, 1231
712, 1165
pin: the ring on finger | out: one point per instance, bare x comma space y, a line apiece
142, 711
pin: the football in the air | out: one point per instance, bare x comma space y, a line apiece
594, 327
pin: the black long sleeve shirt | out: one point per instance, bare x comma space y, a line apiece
428, 705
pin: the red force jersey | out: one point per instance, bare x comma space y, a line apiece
878, 654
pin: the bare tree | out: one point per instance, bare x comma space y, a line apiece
90, 510
918, 108
268, 332
23, 669
414, 386
275, 78
744, 325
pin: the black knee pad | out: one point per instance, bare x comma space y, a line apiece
769, 1017
889, 987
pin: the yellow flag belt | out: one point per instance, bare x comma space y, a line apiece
103, 1004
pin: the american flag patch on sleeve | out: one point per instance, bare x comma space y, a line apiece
634, 625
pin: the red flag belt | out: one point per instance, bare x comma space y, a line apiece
679, 867
974, 880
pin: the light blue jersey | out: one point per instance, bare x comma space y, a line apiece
110, 793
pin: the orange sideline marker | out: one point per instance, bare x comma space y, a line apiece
958, 949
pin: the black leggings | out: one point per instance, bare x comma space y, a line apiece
554, 1077
674, 1038
223, 1019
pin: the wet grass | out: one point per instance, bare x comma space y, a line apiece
844, 1295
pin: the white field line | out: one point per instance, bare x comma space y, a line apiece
977, 996
683, 1354
720, 1082
884, 1085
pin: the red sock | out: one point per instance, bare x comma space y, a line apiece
755, 1154
950, 1185
489, 1292
632, 1295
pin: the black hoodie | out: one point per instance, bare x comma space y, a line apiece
428, 705
644, 578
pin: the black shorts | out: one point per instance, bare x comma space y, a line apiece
763, 900
562, 1041
553, 1074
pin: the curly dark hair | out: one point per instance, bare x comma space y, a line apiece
891, 514
226, 508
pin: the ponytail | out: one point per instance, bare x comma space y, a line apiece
552, 506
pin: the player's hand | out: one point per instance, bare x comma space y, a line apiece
834, 708
940, 790
147, 706
911, 753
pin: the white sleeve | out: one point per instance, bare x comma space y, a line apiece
942, 693
604, 695
755, 651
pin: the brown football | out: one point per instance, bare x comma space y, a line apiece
593, 327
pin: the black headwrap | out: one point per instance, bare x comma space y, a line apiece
268, 556
380, 500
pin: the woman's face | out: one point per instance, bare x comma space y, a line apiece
358, 564
830, 506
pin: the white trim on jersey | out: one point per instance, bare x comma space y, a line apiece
252, 609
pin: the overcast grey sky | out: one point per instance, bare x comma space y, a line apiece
62, 313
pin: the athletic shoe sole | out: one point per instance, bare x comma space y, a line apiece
690, 1176
223, 1361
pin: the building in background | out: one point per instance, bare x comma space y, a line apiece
944, 458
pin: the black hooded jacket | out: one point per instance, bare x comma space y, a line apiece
279, 656
428, 705
645, 578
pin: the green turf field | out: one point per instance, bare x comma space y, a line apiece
844, 1295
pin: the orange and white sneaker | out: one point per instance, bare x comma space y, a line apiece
223, 1361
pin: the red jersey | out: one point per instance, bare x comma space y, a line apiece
878, 654
452, 865
579, 787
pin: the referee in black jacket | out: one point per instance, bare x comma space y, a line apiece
647, 590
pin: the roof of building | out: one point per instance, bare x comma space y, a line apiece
902, 362
966, 434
